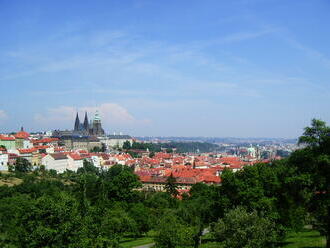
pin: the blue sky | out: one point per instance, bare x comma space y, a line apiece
244, 68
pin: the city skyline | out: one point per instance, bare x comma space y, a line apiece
215, 69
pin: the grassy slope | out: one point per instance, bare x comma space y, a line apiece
304, 239
129, 243
9, 179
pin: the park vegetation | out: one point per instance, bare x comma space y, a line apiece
254, 208
181, 147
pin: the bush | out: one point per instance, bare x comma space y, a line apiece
240, 229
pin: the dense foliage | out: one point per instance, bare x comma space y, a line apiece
254, 207
181, 147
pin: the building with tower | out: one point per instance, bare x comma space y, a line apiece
88, 135
94, 128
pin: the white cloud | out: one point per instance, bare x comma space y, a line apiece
112, 113
57, 115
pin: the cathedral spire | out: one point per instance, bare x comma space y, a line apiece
86, 124
77, 123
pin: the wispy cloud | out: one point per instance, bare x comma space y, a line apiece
310, 52
113, 48
235, 37
3, 116
242, 36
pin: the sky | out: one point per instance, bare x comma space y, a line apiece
241, 68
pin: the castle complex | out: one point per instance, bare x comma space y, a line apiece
93, 128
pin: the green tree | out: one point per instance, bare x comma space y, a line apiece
169, 150
314, 161
171, 186
115, 170
172, 233
241, 229
151, 154
198, 209
316, 135
88, 167
134, 154
127, 145
140, 214
22, 165
44, 222
103, 148
96, 149
122, 186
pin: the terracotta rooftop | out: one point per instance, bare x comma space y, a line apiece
58, 156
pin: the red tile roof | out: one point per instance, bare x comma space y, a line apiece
75, 156
6, 137
58, 156
41, 147
25, 151
22, 135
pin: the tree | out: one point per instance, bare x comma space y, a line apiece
115, 170
43, 222
316, 135
127, 145
88, 167
113, 224
198, 209
140, 214
241, 229
274, 190
121, 186
104, 148
22, 165
320, 202
169, 150
314, 161
96, 149
171, 233
134, 154
171, 186
151, 154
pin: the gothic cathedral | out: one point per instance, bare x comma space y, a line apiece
93, 128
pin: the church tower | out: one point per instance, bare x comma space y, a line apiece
77, 123
96, 127
86, 124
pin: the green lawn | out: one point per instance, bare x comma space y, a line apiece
211, 245
136, 242
131, 242
304, 239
